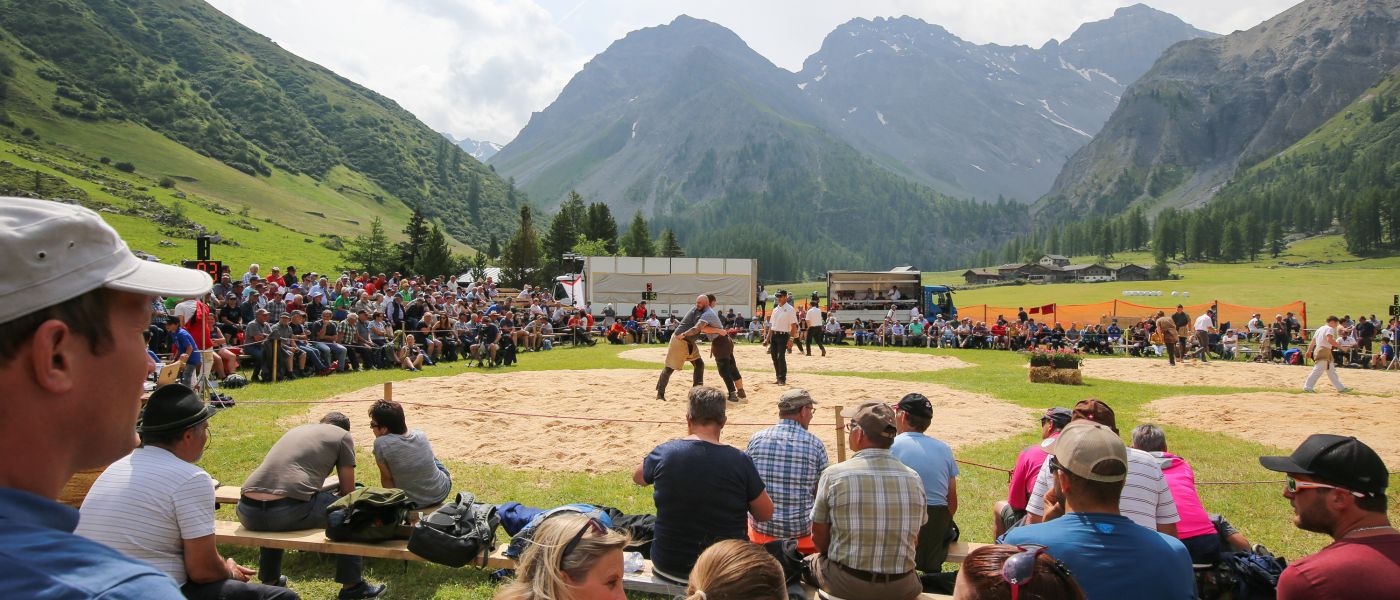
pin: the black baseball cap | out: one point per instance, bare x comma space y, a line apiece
916, 404
1339, 460
781, 293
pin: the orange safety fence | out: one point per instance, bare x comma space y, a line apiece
1125, 312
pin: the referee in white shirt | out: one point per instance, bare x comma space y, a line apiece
814, 327
1320, 350
1204, 324
782, 327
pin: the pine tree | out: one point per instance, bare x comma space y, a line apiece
493, 249
1105, 242
601, 226
672, 248
371, 252
1160, 269
1232, 243
520, 264
561, 237
637, 240
474, 200
1275, 240
436, 257
417, 232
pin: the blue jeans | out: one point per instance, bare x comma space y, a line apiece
291, 515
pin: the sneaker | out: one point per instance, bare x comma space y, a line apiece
1344, 390
733, 397
1309, 391
281, 582
362, 590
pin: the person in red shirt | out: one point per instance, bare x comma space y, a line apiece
1010, 512
1336, 485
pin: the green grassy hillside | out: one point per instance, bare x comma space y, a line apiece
1319, 271
182, 92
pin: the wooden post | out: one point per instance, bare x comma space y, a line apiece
389, 390
276, 358
840, 435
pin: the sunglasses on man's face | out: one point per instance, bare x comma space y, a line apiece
592, 525
1294, 486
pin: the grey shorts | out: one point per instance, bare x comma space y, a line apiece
1012, 518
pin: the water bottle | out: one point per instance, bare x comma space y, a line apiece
632, 562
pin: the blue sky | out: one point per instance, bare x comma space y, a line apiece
479, 68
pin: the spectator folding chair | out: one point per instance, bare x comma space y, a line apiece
169, 373
1394, 362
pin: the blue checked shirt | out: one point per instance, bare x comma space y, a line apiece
790, 460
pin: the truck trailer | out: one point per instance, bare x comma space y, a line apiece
668, 285
869, 295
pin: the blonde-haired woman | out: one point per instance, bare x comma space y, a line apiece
736, 570
571, 557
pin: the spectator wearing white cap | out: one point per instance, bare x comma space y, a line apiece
73, 303
1110, 555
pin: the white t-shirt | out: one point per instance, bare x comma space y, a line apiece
1146, 498
146, 504
814, 317
1203, 323
783, 318
185, 310
1320, 336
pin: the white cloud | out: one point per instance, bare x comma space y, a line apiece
478, 68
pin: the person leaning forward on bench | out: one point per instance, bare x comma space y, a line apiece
155, 505
285, 494
75, 301
867, 515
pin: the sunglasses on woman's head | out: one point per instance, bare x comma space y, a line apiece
592, 524
1019, 569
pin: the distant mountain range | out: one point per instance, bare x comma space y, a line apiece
966, 120
479, 150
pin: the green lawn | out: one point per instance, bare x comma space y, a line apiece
242, 437
1333, 282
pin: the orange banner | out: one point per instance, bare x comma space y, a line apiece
1127, 312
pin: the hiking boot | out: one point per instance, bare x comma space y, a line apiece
362, 590
740, 391
660, 395
733, 397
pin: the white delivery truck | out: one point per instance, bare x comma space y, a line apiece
668, 285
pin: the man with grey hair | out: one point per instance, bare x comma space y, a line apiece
1195, 529
683, 348
790, 460
705, 489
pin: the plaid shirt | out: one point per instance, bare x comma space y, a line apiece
875, 506
790, 460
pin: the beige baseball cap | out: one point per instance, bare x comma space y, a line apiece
55, 252
1084, 445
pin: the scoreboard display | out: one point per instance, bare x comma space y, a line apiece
212, 267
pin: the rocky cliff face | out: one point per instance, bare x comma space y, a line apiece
1210, 106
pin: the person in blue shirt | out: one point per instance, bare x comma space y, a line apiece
1111, 556
933, 461
183, 351
71, 360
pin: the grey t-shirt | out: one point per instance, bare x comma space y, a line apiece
410, 459
297, 465
692, 318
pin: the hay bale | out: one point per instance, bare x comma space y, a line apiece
77, 487
1053, 375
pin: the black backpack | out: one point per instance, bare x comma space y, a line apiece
457, 533
368, 514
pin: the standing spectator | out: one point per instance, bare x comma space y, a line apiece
155, 505
867, 515
1166, 327
813, 320
782, 328
1110, 555
405, 458
704, 491
1324, 340
1195, 530
74, 312
1337, 486
933, 460
288, 492
1012, 511
790, 460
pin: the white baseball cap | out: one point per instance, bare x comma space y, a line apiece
55, 252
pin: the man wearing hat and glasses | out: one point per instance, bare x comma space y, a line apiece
1336, 485
867, 515
73, 303
156, 506
782, 329
1110, 555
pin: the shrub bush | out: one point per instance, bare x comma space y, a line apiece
125, 167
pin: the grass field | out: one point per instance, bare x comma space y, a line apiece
242, 437
1333, 281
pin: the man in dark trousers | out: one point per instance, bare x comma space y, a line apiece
683, 348
1183, 329
782, 329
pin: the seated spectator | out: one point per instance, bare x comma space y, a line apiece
617, 333
790, 460
1337, 486
1229, 345
1195, 530
409, 355
932, 459
405, 458
755, 330
1001, 572
225, 362
325, 336
704, 489
867, 515
1110, 555
1012, 511
155, 505
488, 341
735, 570
1146, 498
1384, 356
571, 557
183, 351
